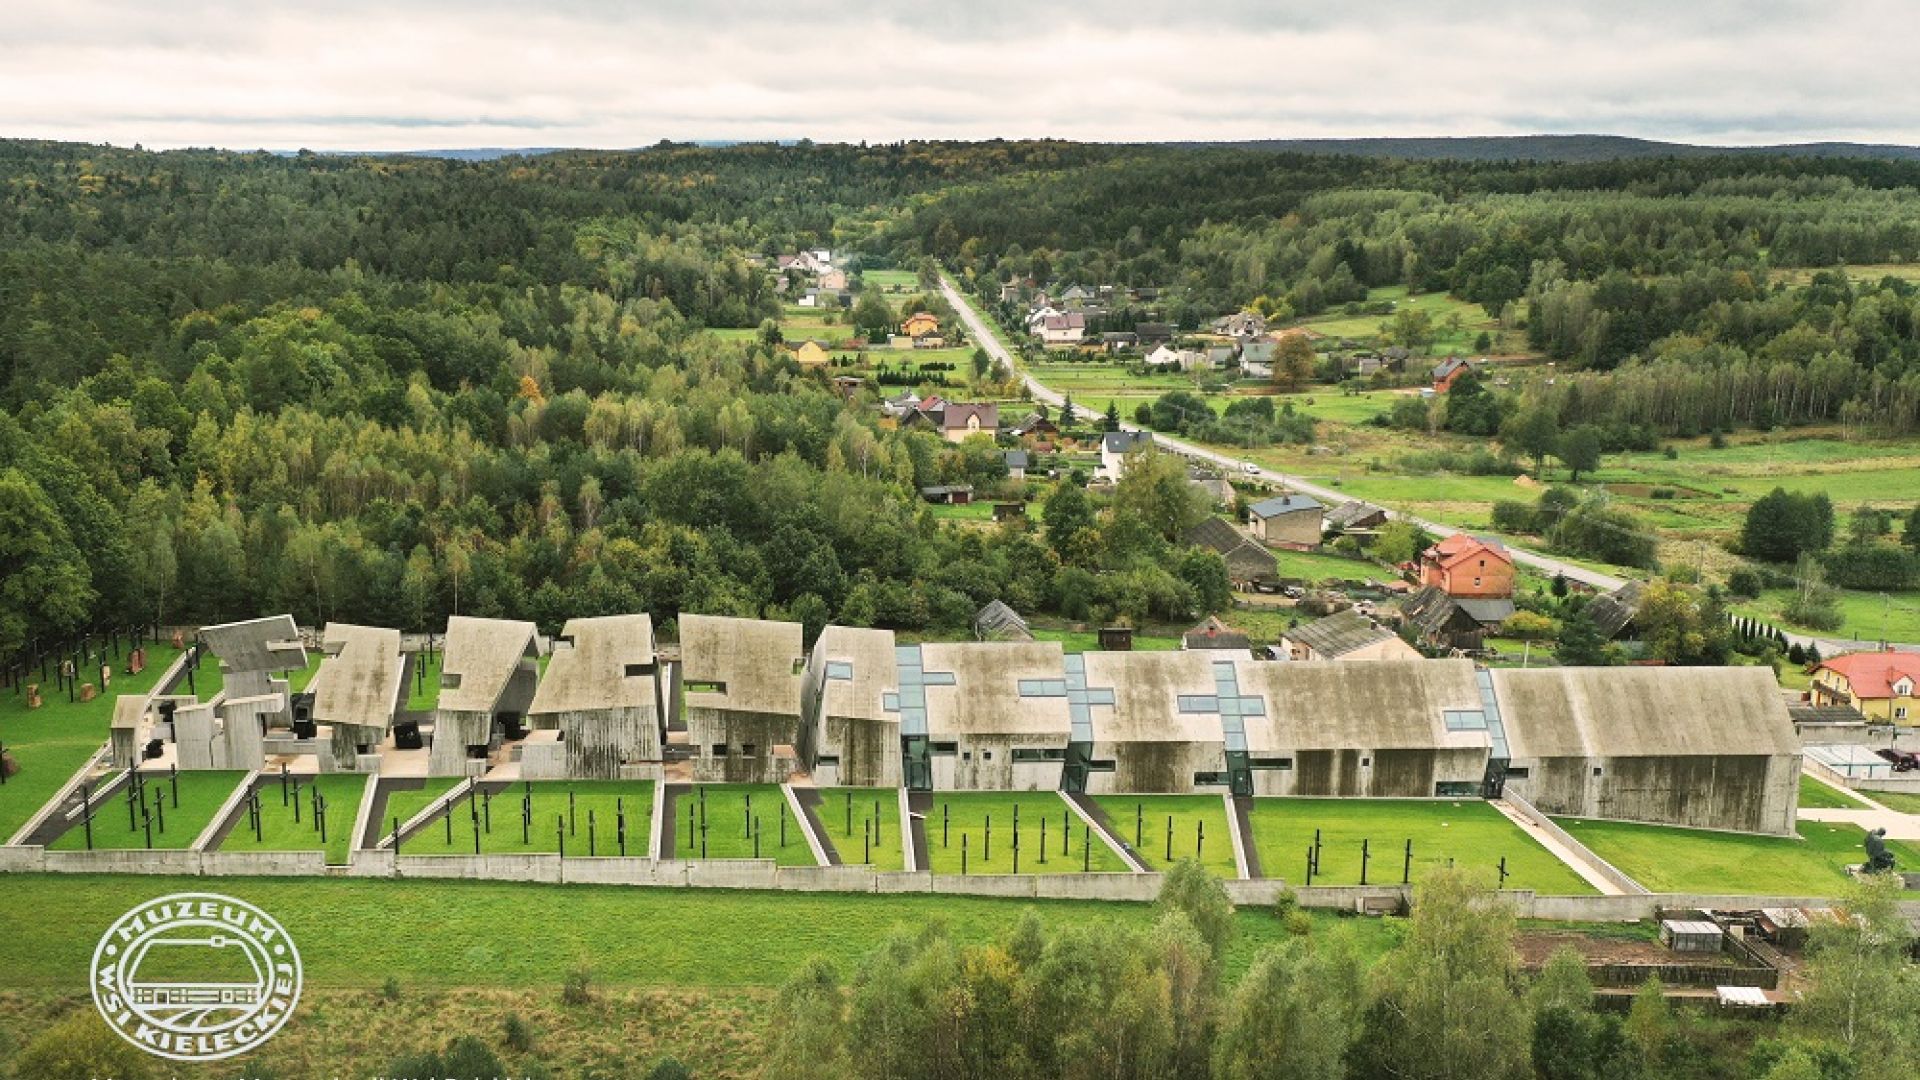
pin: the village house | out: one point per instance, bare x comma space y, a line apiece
1114, 448
1039, 315
1354, 518
1241, 326
742, 704
920, 324
596, 712
1153, 333
1164, 355
1119, 340
1017, 462
1212, 634
1881, 686
1034, 429
1447, 371
1287, 521
811, 354
1249, 566
1345, 635
1468, 566
1067, 329
1447, 622
959, 421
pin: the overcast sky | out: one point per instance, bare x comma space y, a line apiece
398, 74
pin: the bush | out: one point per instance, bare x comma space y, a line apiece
518, 1035
1744, 582
577, 990
81, 1044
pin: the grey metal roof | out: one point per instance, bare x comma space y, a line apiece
1347, 513
997, 621
1339, 634
1120, 442
1284, 504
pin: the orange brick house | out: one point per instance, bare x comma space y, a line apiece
1468, 566
920, 324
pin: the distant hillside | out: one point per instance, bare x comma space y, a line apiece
1560, 148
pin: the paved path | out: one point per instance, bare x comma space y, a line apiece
983, 334
1574, 860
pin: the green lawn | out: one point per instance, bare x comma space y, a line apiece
280, 832
1440, 307
1466, 832
1315, 566
405, 804
1199, 829
960, 820
724, 813
1906, 802
201, 795
51, 742
1863, 615
888, 281
423, 692
591, 818
848, 832
1668, 859
1815, 794
454, 933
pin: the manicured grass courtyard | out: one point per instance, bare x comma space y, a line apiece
51, 742
1199, 829
848, 832
1906, 802
405, 804
280, 832
1815, 794
959, 821
201, 795
1464, 832
590, 810
460, 933
1667, 859
723, 810
423, 690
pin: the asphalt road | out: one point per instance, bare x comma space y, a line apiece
983, 335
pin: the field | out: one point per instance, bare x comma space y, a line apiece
1814, 794
423, 691
892, 282
201, 796
1314, 566
1467, 833
280, 832
1864, 616
50, 742
1906, 802
1472, 321
405, 804
848, 832
1667, 859
1199, 829
722, 812
592, 820
966, 817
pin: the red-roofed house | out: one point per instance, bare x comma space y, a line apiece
1467, 566
1882, 686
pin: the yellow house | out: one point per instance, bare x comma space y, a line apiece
1882, 686
920, 324
811, 354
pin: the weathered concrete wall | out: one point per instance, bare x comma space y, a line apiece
269, 863
1742, 793
749, 739
985, 763
869, 751
1155, 768
453, 732
599, 741
1386, 774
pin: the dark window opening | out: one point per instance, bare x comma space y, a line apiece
1030, 755
1100, 765
636, 670
945, 748
1520, 772
1209, 779
719, 749
699, 687
827, 759
747, 749
1271, 763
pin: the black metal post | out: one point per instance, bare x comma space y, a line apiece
560, 829
396, 837
1406, 865
1043, 841
160, 811
1365, 854
1309, 865
86, 812
593, 846
849, 814
1086, 847
986, 846
1199, 839
1139, 819
1169, 837
573, 820
943, 824
963, 854
1503, 871
174, 779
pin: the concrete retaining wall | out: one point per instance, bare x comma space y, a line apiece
1614, 875
764, 874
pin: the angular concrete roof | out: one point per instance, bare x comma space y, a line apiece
359, 681
483, 655
872, 668
754, 658
1643, 712
269, 644
1382, 705
591, 673
1147, 687
127, 711
985, 699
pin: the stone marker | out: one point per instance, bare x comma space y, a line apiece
87, 692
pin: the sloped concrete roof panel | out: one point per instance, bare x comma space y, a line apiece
760, 662
359, 681
1643, 712
592, 671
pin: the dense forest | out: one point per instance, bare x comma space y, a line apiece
386, 389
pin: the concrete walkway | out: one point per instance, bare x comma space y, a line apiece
1574, 860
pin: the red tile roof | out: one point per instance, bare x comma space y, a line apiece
1460, 546
1872, 674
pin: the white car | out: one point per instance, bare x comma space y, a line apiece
1249, 468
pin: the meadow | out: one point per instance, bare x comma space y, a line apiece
1457, 324
590, 810
959, 822
712, 822
1468, 833
1667, 859
51, 742
279, 831
175, 826
1192, 826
